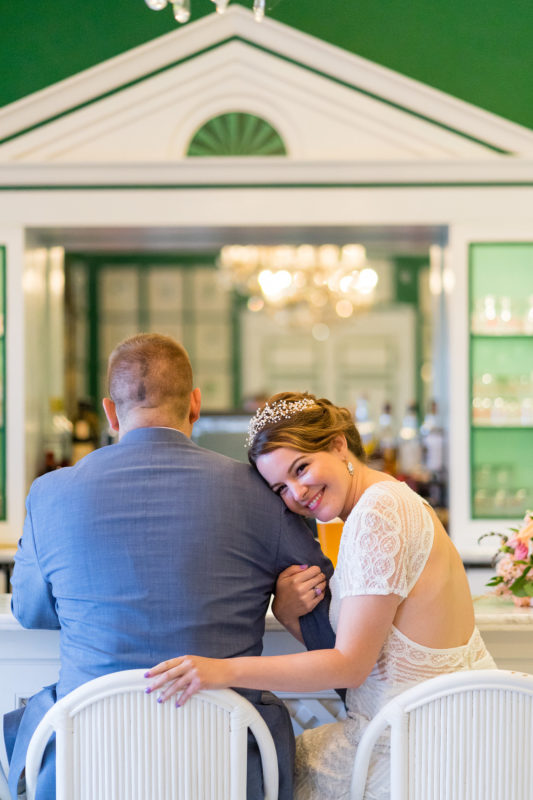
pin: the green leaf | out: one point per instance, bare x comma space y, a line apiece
495, 580
522, 586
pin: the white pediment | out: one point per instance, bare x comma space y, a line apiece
328, 105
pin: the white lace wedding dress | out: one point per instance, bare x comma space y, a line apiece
385, 544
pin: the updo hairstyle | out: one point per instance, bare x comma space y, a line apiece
309, 430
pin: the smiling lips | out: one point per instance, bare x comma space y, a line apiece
316, 500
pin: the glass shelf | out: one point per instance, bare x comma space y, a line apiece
503, 337
489, 427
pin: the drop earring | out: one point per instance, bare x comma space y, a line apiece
349, 467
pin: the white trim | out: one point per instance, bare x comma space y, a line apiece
270, 171
10, 530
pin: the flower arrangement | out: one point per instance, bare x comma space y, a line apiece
514, 563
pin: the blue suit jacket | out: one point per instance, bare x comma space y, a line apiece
151, 548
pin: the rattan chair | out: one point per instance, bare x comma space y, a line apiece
463, 736
4, 788
114, 741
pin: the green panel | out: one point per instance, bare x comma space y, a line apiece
501, 378
407, 290
236, 134
502, 473
501, 270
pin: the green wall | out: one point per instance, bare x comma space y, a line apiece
480, 51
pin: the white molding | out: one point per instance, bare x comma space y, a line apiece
11, 529
318, 118
288, 43
270, 171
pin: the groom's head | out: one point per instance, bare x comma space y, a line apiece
150, 384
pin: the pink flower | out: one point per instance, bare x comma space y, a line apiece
508, 569
521, 601
526, 531
520, 550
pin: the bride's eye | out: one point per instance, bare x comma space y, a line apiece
301, 467
279, 490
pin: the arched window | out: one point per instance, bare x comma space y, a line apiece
236, 134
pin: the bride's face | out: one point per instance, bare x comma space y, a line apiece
311, 484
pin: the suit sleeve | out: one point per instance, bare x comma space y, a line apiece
33, 603
298, 546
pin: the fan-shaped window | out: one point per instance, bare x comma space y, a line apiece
236, 134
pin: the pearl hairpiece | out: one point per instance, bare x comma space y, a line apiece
282, 409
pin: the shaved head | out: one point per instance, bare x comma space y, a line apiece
150, 371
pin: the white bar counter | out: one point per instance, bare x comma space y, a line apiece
29, 659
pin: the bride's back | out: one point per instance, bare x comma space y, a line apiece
438, 612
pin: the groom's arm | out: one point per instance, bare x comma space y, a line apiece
298, 546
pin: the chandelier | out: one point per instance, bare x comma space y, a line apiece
182, 8
325, 279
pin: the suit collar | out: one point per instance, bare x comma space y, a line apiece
153, 434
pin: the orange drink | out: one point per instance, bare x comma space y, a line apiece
329, 536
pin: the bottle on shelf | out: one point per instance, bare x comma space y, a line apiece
85, 431
365, 424
409, 447
57, 437
528, 319
508, 321
434, 457
387, 443
485, 317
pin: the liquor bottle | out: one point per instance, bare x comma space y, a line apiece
387, 441
57, 437
85, 432
433, 457
528, 319
365, 425
409, 447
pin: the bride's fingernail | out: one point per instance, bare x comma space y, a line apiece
178, 705
147, 674
148, 690
303, 566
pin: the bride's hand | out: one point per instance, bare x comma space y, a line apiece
298, 590
188, 675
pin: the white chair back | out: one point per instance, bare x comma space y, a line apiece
4, 788
463, 736
114, 741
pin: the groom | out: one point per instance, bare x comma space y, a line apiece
154, 547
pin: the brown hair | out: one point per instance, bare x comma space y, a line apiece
310, 429
150, 370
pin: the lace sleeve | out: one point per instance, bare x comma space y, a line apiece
385, 543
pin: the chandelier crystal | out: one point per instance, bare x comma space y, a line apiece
324, 279
182, 8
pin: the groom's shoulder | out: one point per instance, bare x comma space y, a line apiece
240, 474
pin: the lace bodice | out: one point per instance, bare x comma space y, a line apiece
384, 547
385, 543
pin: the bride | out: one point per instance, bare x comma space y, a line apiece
401, 606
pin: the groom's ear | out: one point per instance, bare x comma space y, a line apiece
111, 413
194, 408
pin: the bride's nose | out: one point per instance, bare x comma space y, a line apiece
298, 491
